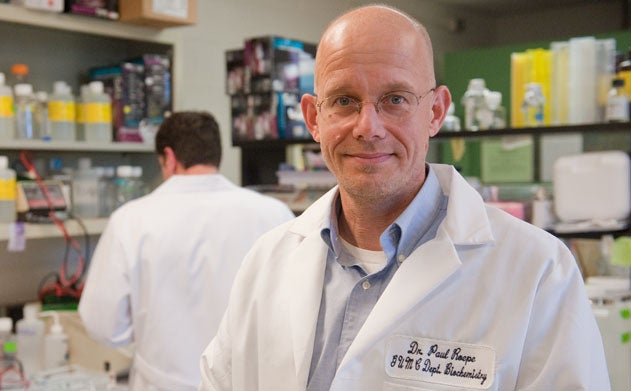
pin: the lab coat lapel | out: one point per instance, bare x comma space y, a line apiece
306, 279
418, 275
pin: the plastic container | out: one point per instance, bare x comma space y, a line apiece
30, 339
55, 343
25, 112
6, 332
85, 190
41, 115
8, 192
473, 102
125, 190
98, 114
7, 127
107, 191
452, 122
62, 113
532, 106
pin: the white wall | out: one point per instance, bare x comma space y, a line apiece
225, 25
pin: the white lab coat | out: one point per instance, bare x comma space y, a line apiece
506, 292
162, 270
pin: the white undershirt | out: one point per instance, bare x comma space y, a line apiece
370, 261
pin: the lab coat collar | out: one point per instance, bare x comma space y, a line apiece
192, 183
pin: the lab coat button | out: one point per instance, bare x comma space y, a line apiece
401, 258
366, 284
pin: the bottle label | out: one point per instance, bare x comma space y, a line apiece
60, 111
6, 106
8, 189
97, 113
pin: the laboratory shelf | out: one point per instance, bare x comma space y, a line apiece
76, 146
49, 230
83, 24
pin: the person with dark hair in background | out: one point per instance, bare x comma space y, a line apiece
400, 277
162, 270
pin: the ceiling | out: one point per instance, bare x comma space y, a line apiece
503, 7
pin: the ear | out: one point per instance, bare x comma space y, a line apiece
170, 161
310, 114
440, 103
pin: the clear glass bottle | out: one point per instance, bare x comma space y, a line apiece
452, 122
532, 106
41, 115
496, 111
25, 112
473, 102
617, 102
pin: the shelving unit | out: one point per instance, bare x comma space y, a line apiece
64, 47
260, 159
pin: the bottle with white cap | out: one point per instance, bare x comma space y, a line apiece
8, 192
97, 114
7, 127
62, 112
30, 339
25, 112
55, 343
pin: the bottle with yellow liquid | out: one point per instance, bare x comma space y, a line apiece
7, 127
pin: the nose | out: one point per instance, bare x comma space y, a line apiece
369, 124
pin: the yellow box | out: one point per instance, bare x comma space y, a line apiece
158, 13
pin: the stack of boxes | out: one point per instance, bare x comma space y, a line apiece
265, 81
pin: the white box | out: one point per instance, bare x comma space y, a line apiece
592, 186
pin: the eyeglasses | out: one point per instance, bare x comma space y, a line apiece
393, 106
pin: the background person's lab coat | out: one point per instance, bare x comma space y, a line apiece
509, 294
162, 270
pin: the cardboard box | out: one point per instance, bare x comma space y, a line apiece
158, 13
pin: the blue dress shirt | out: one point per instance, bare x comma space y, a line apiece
349, 293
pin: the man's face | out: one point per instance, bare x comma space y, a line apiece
374, 156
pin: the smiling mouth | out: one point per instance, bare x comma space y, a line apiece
370, 157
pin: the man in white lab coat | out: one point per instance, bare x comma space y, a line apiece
400, 278
162, 270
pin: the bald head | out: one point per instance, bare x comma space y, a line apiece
375, 29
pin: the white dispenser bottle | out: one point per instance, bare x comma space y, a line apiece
55, 343
8, 192
62, 112
7, 127
98, 114
30, 339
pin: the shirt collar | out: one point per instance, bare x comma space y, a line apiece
404, 235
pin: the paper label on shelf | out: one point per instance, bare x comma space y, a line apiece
175, 8
17, 237
6, 106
